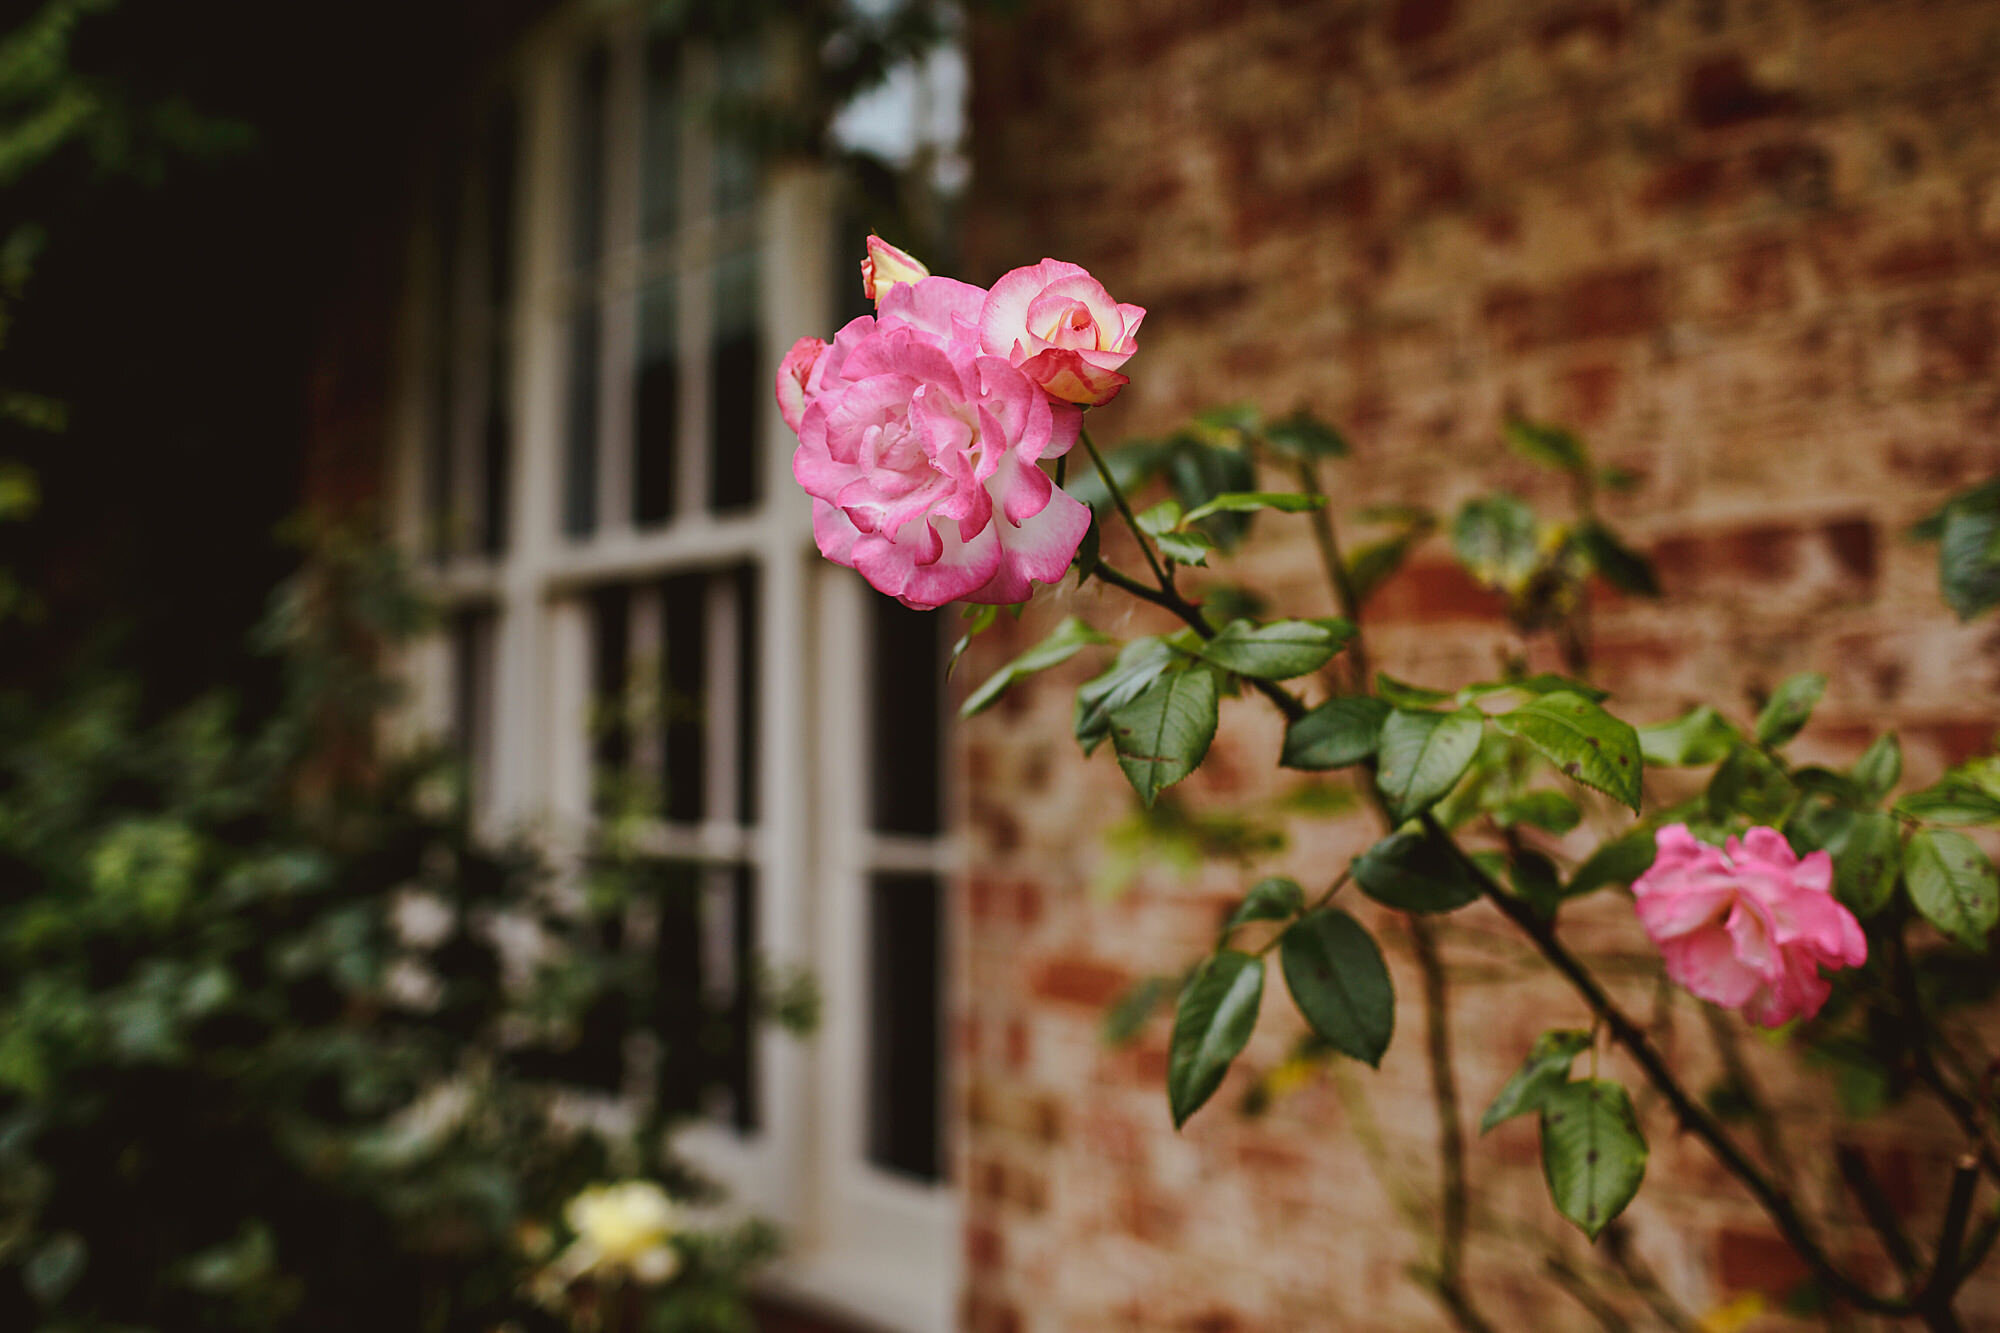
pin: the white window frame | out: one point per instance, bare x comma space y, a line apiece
861, 1241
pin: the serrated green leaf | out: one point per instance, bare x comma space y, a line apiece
1879, 768
1697, 737
1551, 446
1549, 811
1593, 1155
1402, 694
1953, 802
1582, 740
1138, 664
1340, 984
1303, 435
1790, 706
1415, 872
1250, 502
1216, 1015
1273, 899
1278, 651
1186, 548
1619, 861
1162, 517
1545, 1070
1063, 642
1867, 859
1162, 735
1339, 732
1421, 756
1952, 884
1616, 563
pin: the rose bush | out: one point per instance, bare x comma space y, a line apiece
1803, 897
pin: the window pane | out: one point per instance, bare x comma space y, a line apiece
736, 385
661, 163
749, 676
610, 729
655, 416
502, 145
580, 431
439, 415
684, 695
704, 1002
736, 164
905, 673
905, 1002
472, 649
497, 447
586, 164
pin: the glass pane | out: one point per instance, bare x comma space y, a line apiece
684, 695
443, 382
497, 445
655, 416
587, 161
905, 685
735, 147
472, 644
610, 728
704, 1001
905, 1005
659, 191
749, 676
737, 388
580, 431
502, 144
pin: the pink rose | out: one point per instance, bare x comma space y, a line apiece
1748, 926
795, 379
920, 454
1059, 325
885, 267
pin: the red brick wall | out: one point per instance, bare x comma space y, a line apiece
1752, 251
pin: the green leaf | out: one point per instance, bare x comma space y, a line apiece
1340, 984
1582, 741
1372, 565
1549, 811
1423, 755
1186, 548
1404, 695
979, 619
1969, 554
1748, 783
1415, 872
1494, 538
1867, 859
1619, 861
1339, 732
1551, 446
1535, 881
1162, 517
1249, 502
1951, 801
1132, 1010
1162, 735
1200, 472
1953, 885
1545, 1070
1139, 664
1230, 419
1063, 642
1542, 682
1303, 435
1616, 563
1592, 1152
1792, 703
1879, 768
1217, 1013
1273, 899
52, 1270
1278, 651
1697, 737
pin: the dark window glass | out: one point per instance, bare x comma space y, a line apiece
905, 1003
587, 161
441, 415
472, 633
502, 144
661, 163
611, 737
580, 443
496, 447
684, 694
750, 677
704, 1001
735, 147
736, 385
905, 687
655, 421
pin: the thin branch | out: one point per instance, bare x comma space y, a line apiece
1444, 1090
1337, 576
1124, 508
1876, 1208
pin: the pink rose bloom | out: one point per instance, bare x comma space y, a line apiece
1059, 325
1748, 926
796, 380
920, 454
